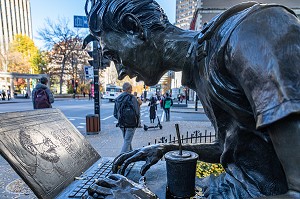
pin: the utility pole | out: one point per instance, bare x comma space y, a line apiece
95, 125
96, 64
93, 121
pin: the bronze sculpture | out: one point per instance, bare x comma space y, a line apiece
243, 66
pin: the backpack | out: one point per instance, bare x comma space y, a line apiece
127, 115
167, 103
41, 99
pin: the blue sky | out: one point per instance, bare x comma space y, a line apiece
42, 9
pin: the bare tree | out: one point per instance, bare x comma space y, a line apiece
62, 41
4, 61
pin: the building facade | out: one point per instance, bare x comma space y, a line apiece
15, 18
207, 9
184, 12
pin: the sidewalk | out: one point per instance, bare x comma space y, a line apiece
13, 100
108, 143
109, 134
24, 100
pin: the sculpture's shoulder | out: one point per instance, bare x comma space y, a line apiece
239, 12
222, 26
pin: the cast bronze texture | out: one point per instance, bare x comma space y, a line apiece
244, 66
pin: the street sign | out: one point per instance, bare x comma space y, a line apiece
89, 72
80, 22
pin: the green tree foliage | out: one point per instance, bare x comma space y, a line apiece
24, 56
41, 62
3, 61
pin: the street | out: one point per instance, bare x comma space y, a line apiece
76, 110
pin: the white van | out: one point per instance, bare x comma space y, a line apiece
112, 92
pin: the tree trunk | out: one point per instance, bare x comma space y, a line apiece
61, 76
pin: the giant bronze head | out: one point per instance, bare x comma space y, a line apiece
125, 30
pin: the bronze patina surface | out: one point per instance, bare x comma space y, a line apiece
45, 149
244, 66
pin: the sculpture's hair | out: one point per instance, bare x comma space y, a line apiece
126, 86
107, 14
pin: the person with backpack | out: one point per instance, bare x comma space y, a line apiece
126, 111
167, 103
42, 97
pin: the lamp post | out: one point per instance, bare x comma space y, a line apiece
186, 94
145, 93
96, 65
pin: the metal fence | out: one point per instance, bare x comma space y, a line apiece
195, 137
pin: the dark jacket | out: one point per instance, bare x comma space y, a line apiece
124, 97
42, 86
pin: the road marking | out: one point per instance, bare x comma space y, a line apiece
107, 117
162, 116
80, 127
73, 118
83, 123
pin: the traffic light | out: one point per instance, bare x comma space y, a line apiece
98, 61
94, 61
76, 83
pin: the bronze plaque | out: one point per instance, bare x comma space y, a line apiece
45, 149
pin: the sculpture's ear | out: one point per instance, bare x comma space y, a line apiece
132, 25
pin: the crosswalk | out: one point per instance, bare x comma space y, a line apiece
79, 122
144, 113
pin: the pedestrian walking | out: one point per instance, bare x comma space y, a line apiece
126, 111
161, 101
8, 94
3, 95
42, 97
152, 109
140, 102
178, 98
90, 96
167, 103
